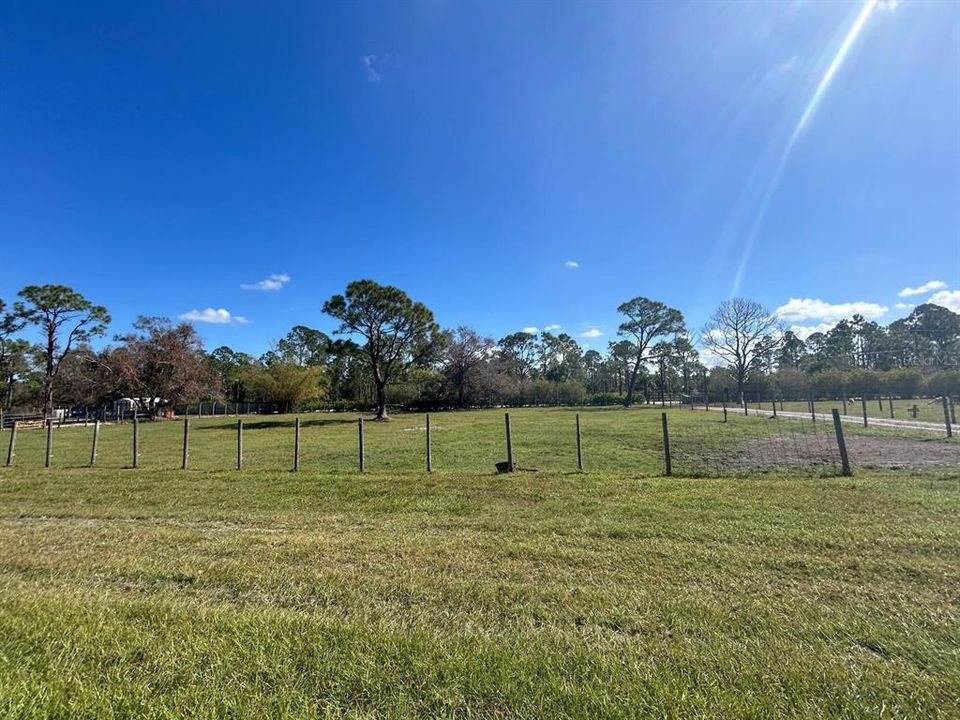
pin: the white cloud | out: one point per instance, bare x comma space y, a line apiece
592, 333
888, 5
553, 328
372, 65
531, 330
950, 299
786, 65
572, 264
923, 289
221, 316
274, 282
903, 306
805, 331
813, 309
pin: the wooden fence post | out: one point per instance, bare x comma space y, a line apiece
813, 410
506, 424
239, 443
841, 444
953, 411
296, 444
946, 416
360, 440
429, 447
185, 463
96, 442
724, 410
12, 447
49, 450
863, 404
844, 403
774, 403
580, 447
666, 446
890, 405
136, 440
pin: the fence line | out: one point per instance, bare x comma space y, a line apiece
711, 447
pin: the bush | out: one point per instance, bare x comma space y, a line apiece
601, 399
335, 406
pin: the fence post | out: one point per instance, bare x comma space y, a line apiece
49, 451
96, 442
185, 463
890, 405
12, 447
774, 403
666, 445
724, 410
863, 404
239, 443
429, 447
136, 440
813, 409
296, 444
946, 416
953, 411
360, 440
841, 444
580, 448
844, 403
506, 424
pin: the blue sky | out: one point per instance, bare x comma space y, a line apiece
509, 164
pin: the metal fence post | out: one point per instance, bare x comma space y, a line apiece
429, 447
946, 416
666, 446
360, 440
12, 447
580, 446
49, 450
136, 440
506, 424
239, 443
185, 463
841, 443
96, 442
296, 445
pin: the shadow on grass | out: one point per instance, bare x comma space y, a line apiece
275, 424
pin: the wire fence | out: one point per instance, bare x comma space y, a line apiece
686, 442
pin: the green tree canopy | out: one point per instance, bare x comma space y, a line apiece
396, 330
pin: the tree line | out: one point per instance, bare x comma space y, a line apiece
389, 351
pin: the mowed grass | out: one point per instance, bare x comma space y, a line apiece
263, 593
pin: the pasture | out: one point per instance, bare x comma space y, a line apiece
610, 593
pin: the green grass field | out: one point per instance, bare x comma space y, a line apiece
612, 593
